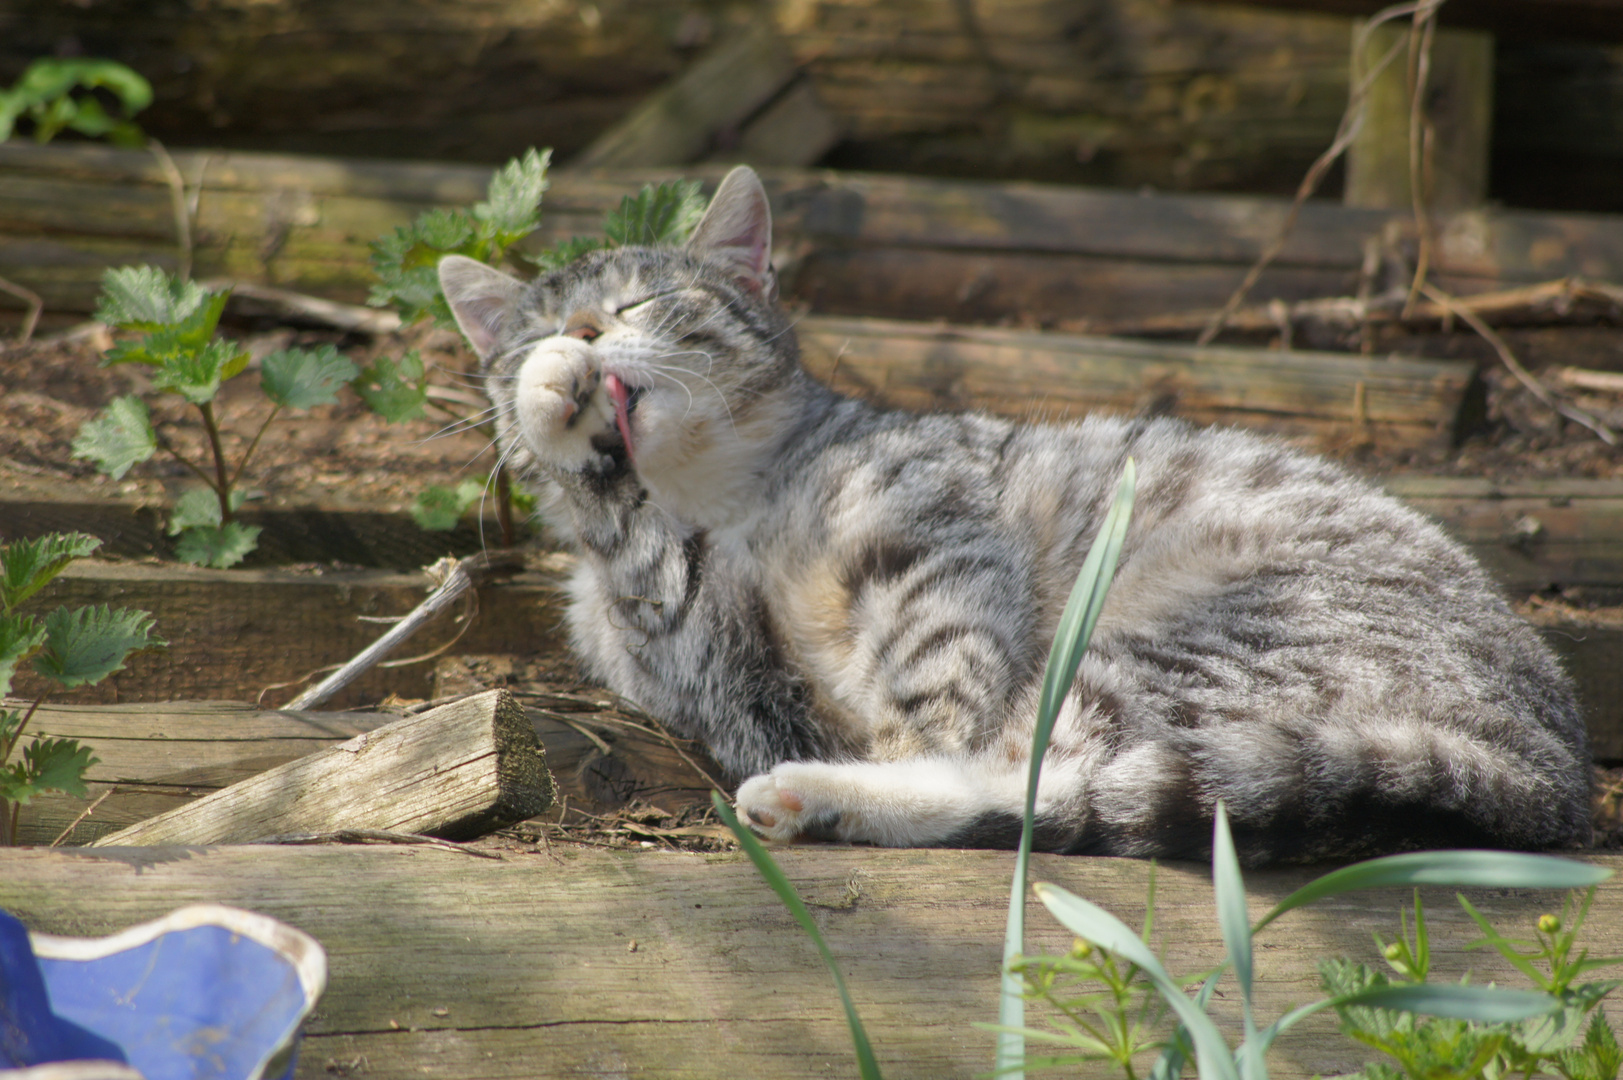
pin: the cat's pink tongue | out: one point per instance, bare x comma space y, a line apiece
621, 396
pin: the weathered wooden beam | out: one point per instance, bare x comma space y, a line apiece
236, 633
68, 213
455, 772
1591, 20
1325, 397
1458, 119
686, 967
154, 758
707, 106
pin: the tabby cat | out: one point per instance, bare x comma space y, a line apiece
852, 606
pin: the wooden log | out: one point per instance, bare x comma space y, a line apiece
1325, 397
1577, 19
155, 758
68, 213
235, 633
795, 128
708, 103
679, 966
1458, 117
454, 772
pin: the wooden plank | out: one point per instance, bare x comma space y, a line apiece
712, 99
458, 771
1458, 123
795, 128
154, 758
1019, 373
235, 633
443, 965
305, 224
1600, 20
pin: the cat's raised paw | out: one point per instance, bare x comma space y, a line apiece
560, 404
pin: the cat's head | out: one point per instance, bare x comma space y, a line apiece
675, 362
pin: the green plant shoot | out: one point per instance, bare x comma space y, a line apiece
68, 648
171, 325
55, 95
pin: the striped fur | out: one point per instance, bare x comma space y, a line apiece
852, 607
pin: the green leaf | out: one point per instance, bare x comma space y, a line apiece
557, 258
85, 645
1235, 923
438, 508
218, 546
1478, 1004
178, 341
196, 376
512, 207
1070, 642
1461, 869
58, 765
44, 93
20, 635
395, 390
1094, 924
867, 1065
27, 566
146, 298
301, 378
656, 215
199, 507
120, 436
1599, 1058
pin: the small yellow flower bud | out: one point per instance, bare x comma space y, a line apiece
1394, 951
1549, 924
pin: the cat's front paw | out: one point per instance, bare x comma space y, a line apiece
559, 404
789, 803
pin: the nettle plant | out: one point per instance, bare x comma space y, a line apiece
406, 262
1112, 1002
172, 325
57, 94
68, 647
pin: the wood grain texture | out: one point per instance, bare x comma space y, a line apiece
457, 771
235, 633
1576, 19
443, 965
1327, 397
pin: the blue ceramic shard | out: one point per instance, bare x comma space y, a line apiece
205, 993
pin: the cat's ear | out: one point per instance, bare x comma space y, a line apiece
481, 298
737, 229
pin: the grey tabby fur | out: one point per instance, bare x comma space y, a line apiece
852, 606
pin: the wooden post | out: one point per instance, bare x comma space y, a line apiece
1458, 109
453, 772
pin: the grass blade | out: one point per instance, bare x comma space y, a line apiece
1480, 1004
1070, 642
1235, 923
1459, 869
769, 870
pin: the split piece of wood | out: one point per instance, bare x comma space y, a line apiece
453, 772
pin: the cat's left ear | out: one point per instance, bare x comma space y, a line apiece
737, 229
480, 297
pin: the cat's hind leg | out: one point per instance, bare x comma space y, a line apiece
913, 802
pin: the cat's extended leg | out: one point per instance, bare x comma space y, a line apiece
915, 802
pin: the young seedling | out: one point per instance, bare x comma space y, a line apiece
175, 322
68, 648
406, 263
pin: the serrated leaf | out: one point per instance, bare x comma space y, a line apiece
177, 341
196, 376
20, 635
438, 508
512, 207
656, 215
85, 645
199, 506
146, 298
120, 436
57, 765
301, 378
556, 258
27, 566
394, 389
218, 546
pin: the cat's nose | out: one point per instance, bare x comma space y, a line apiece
583, 325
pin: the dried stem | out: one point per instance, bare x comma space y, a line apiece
177, 201
1523, 376
1351, 120
1422, 143
36, 307
63, 835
